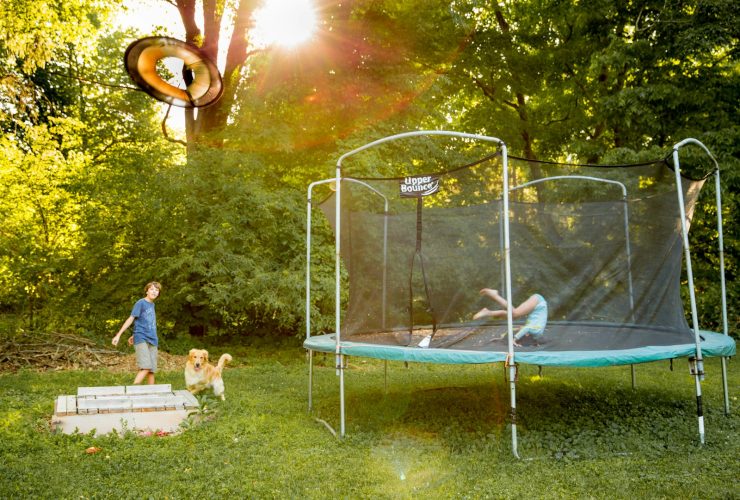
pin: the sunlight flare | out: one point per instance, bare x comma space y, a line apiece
284, 22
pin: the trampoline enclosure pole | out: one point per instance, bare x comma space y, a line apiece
339, 362
698, 363
725, 330
509, 309
308, 296
308, 286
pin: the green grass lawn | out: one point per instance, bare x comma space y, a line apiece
433, 431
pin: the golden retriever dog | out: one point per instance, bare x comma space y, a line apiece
200, 374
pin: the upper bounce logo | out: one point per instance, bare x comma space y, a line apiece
415, 187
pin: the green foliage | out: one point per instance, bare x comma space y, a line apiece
32, 33
41, 237
607, 82
704, 239
555, 78
96, 203
436, 431
66, 175
228, 245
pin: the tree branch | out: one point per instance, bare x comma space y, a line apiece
164, 129
212, 16
487, 90
187, 14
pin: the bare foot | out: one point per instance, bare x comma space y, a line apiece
482, 313
490, 292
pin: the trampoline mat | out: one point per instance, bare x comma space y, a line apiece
584, 345
557, 337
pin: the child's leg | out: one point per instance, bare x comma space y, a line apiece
489, 292
485, 313
526, 307
141, 375
146, 359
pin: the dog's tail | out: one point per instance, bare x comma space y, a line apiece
222, 361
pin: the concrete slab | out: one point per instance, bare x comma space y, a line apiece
104, 423
119, 408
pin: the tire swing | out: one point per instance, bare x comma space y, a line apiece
203, 84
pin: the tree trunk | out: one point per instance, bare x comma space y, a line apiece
206, 121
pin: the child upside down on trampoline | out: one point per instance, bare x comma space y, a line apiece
534, 308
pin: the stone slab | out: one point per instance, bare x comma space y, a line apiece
109, 404
148, 389
136, 407
60, 406
71, 405
113, 390
190, 400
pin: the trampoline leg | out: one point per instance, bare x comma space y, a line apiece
512, 383
310, 380
340, 367
696, 367
724, 386
700, 411
634, 380
385, 373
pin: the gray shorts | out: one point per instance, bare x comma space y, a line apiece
146, 356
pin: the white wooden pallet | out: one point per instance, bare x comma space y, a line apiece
133, 407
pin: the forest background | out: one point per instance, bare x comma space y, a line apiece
95, 200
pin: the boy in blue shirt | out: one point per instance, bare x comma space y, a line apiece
144, 339
534, 308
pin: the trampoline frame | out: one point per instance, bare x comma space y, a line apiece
340, 350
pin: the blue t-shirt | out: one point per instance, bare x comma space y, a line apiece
145, 323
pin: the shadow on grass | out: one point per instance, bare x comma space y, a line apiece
568, 413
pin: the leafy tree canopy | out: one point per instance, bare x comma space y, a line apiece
96, 201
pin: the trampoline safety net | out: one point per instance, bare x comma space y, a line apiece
601, 244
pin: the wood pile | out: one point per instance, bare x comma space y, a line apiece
61, 351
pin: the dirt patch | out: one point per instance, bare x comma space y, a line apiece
53, 352
127, 362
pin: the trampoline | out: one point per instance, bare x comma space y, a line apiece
606, 246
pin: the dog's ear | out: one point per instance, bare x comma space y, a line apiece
205, 354
191, 353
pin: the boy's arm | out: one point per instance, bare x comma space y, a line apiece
125, 325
